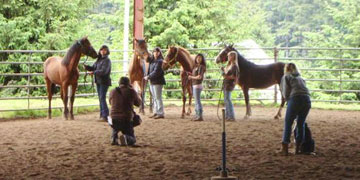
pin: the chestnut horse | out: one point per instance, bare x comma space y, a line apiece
138, 69
64, 72
255, 76
187, 62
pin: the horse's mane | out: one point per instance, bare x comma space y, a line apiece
187, 56
242, 62
70, 53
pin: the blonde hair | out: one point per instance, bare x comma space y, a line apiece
291, 68
232, 53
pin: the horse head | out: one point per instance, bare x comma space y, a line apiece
171, 58
86, 48
141, 48
222, 56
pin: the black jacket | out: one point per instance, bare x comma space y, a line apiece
102, 69
156, 73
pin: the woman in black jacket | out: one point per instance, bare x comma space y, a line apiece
102, 69
157, 80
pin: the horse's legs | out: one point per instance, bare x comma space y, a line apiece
184, 101
278, 115
190, 92
65, 99
248, 108
142, 93
49, 92
72, 98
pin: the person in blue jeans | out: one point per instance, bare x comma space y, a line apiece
294, 90
157, 81
230, 73
197, 77
102, 69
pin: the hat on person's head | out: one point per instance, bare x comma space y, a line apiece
157, 49
105, 47
124, 81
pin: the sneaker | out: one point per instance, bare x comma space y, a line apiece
152, 116
194, 118
123, 140
199, 119
230, 119
114, 143
159, 117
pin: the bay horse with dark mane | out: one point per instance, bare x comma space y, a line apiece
187, 62
64, 72
138, 69
255, 76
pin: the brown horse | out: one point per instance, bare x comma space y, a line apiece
64, 72
187, 62
138, 69
254, 76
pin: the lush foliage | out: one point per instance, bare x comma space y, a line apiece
54, 25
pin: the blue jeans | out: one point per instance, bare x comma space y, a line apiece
156, 91
298, 108
229, 108
198, 105
102, 90
126, 128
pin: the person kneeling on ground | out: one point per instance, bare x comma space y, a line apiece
122, 100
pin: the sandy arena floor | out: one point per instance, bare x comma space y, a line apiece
175, 148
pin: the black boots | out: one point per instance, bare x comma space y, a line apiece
285, 149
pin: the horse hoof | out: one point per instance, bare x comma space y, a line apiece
246, 117
188, 113
277, 117
182, 116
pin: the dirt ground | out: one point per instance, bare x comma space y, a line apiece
175, 148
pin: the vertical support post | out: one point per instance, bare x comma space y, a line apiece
126, 36
223, 168
276, 51
28, 80
138, 20
340, 76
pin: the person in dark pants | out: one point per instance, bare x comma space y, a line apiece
102, 69
157, 80
122, 100
294, 90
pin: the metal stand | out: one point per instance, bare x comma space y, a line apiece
224, 172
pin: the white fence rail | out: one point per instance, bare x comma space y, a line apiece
339, 68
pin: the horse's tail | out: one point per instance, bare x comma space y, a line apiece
53, 89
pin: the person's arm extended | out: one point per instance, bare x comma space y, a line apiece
137, 99
229, 77
285, 88
89, 68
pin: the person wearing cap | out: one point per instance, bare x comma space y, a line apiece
123, 99
157, 81
101, 69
